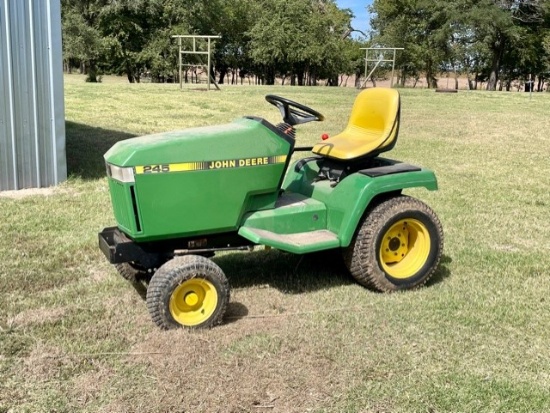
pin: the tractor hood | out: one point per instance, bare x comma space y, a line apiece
243, 138
196, 181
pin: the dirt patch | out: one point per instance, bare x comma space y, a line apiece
24, 193
49, 191
99, 275
89, 386
260, 365
38, 316
43, 363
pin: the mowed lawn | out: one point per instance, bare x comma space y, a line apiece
300, 335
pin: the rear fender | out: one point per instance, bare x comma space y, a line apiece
357, 193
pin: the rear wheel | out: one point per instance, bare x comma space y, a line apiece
189, 291
397, 247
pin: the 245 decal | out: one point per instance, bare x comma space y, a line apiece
151, 169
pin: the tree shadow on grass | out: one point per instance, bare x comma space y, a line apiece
296, 274
85, 146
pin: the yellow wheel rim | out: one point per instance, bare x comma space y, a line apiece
193, 302
405, 248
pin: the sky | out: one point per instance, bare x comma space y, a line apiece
359, 8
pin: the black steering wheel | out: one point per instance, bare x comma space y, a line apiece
294, 113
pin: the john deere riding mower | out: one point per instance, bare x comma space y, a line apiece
180, 197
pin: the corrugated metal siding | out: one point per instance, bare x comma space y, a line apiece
32, 118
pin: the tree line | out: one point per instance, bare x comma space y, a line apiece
303, 42
492, 41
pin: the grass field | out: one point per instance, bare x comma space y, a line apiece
300, 336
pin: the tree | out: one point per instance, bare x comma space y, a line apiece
301, 40
327, 41
82, 39
491, 38
421, 28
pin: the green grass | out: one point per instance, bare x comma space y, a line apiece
300, 334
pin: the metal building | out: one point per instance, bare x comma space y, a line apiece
32, 118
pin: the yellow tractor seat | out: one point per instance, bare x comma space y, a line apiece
372, 127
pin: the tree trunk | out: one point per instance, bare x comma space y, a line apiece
130, 72
269, 76
312, 81
430, 75
497, 50
470, 83
493, 76
344, 82
223, 72
301, 76
92, 72
431, 80
402, 78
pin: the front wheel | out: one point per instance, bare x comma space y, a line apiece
397, 247
132, 272
189, 291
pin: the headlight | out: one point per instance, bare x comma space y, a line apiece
120, 174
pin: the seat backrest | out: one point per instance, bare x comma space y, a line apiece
375, 110
372, 127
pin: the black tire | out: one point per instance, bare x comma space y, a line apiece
189, 291
397, 247
132, 272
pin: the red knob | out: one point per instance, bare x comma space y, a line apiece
324, 136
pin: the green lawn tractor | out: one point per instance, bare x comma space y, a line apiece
180, 197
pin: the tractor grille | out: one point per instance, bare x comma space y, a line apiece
122, 196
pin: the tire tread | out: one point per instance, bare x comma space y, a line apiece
170, 275
360, 257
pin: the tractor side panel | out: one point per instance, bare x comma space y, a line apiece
200, 202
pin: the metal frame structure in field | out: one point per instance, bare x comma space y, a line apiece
32, 119
381, 58
196, 51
